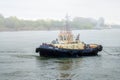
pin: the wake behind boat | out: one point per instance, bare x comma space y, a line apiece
66, 46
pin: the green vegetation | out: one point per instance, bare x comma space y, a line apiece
15, 24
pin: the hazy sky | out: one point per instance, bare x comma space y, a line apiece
57, 9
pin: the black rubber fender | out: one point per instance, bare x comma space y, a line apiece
100, 47
37, 50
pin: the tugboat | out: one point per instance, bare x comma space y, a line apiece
66, 46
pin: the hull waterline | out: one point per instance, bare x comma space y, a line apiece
59, 52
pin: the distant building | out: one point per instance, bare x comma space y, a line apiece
100, 23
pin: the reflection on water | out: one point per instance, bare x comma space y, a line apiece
18, 60
33, 67
85, 68
64, 68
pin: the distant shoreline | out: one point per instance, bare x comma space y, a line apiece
78, 23
55, 30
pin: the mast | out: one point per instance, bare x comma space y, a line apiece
67, 25
66, 35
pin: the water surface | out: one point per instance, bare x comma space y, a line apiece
18, 60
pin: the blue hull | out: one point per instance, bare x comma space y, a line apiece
60, 52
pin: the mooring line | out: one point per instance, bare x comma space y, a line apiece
110, 54
107, 52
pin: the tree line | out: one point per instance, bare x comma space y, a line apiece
12, 23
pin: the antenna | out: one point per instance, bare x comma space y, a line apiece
67, 25
66, 35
